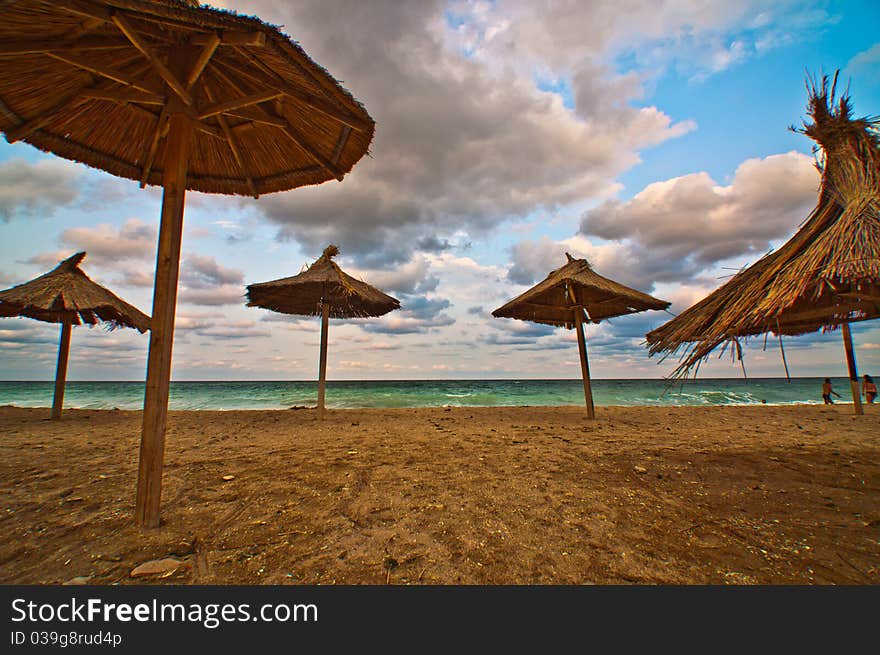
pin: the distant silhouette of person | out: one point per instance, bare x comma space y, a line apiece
827, 391
869, 389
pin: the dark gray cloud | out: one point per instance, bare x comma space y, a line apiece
411, 277
423, 308
116, 346
459, 146
521, 343
293, 322
212, 327
27, 332
433, 244
203, 281
523, 334
201, 272
136, 277
416, 314
628, 263
228, 294
531, 261
519, 328
232, 332
408, 325
127, 252
37, 189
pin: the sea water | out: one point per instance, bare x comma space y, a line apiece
429, 393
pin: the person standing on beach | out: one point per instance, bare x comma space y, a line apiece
827, 391
869, 389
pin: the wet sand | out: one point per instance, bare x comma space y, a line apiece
525, 495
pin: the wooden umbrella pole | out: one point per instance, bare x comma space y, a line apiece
61, 369
784, 361
322, 363
149, 487
782, 350
585, 366
851, 365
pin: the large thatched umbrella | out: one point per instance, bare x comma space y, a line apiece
186, 97
571, 295
323, 289
66, 295
826, 276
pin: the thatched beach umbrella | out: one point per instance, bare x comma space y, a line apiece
323, 289
66, 295
571, 295
826, 276
186, 97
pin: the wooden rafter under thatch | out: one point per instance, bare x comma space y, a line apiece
67, 295
827, 275
97, 81
322, 283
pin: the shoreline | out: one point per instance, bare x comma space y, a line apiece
330, 408
492, 495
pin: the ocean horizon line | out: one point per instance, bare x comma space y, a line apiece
392, 380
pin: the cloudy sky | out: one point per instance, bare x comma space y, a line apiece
651, 138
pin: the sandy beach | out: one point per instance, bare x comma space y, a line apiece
524, 495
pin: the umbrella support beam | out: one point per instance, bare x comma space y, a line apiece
585, 366
152, 452
851, 366
781, 350
322, 362
61, 370
784, 361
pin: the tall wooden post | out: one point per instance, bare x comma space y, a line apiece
322, 362
784, 361
585, 367
782, 350
149, 487
61, 370
851, 365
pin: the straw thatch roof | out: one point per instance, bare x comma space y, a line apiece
551, 302
827, 274
92, 81
67, 294
323, 282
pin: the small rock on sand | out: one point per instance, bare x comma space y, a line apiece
78, 580
227, 478
640, 469
162, 567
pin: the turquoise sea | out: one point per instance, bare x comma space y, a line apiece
429, 393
